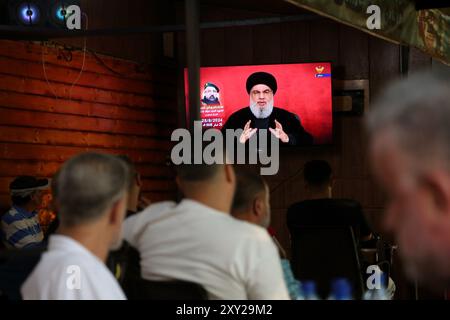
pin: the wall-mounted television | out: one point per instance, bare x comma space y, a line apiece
292, 94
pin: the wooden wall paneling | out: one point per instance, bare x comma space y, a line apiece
56, 73
418, 61
353, 54
295, 42
34, 135
353, 151
128, 111
21, 151
22, 101
163, 185
282, 232
72, 58
13, 168
63, 91
324, 40
79, 123
373, 195
238, 41
383, 64
352, 64
159, 196
212, 41
353, 188
267, 44
277, 188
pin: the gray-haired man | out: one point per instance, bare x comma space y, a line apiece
410, 152
90, 192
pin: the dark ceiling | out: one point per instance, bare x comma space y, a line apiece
263, 6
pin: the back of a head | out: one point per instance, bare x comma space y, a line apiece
248, 186
191, 173
194, 169
87, 184
417, 111
131, 166
317, 173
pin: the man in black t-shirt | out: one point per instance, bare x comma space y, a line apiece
321, 209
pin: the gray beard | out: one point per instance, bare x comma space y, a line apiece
264, 113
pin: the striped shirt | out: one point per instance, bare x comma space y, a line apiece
21, 229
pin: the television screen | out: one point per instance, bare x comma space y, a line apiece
298, 97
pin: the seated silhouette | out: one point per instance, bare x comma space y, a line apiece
320, 209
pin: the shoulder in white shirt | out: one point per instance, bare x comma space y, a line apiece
68, 271
230, 258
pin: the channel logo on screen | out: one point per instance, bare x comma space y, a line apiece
320, 74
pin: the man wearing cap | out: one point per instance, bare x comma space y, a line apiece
261, 114
210, 95
20, 225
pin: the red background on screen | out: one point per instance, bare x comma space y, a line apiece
299, 91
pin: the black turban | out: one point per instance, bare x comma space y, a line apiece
261, 78
210, 84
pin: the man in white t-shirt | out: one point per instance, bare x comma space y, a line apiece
198, 240
90, 193
251, 203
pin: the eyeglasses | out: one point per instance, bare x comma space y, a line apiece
264, 93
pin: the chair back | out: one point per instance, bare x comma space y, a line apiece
324, 253
15, 267
171, 290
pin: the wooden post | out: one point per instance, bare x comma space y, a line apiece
193, 59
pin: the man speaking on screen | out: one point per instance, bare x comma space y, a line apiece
261, 114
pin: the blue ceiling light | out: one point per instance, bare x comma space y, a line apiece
29, 13
61, 13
